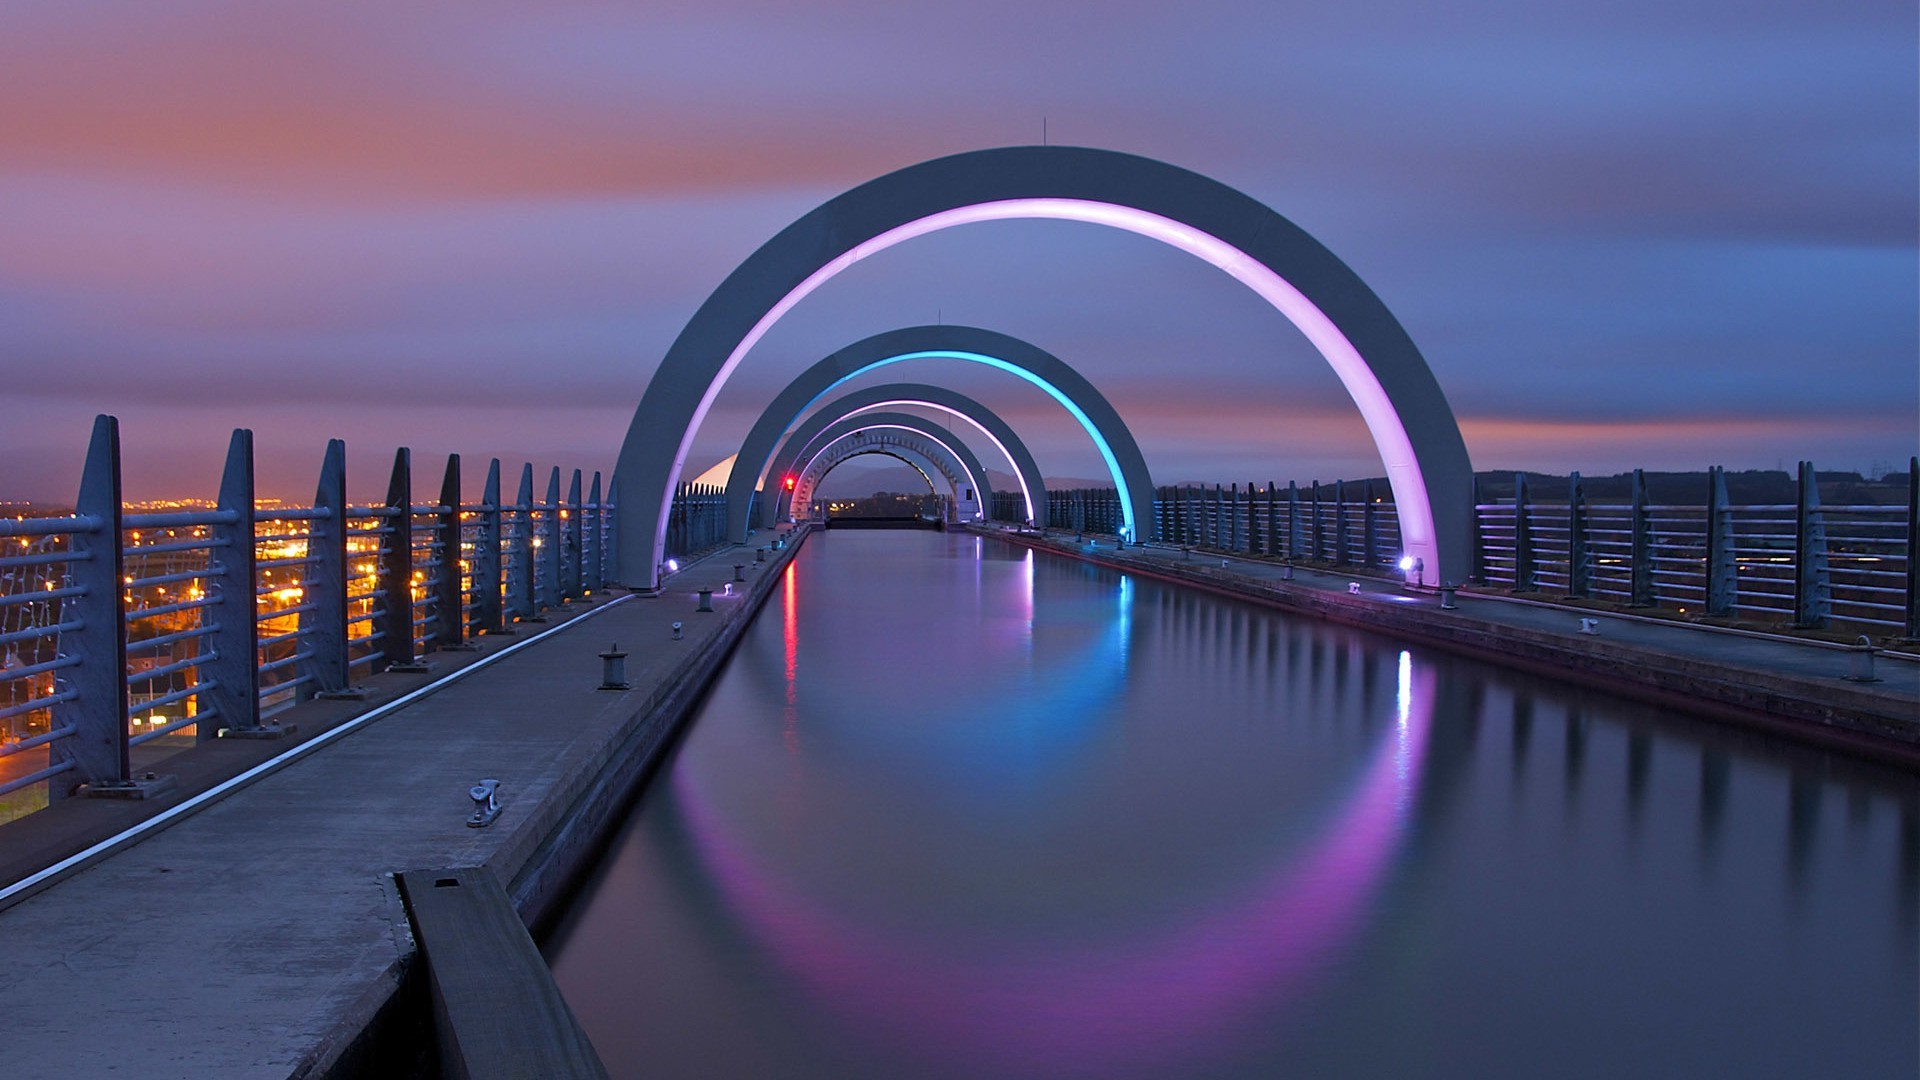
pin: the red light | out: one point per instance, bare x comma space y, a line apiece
789, 483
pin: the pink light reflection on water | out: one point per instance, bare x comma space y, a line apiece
1088, 1009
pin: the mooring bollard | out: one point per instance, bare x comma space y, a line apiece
1353, 588
613, 668
1446, 596
1286, 571
739, 571
706, 599
486, 803
1590, 626
678, 631
759, 555
1862, 651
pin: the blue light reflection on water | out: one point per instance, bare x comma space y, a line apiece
1027, 817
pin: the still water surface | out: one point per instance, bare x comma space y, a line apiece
956, 809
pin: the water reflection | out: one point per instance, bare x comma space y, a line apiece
1040, 819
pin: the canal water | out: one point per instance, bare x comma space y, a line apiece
955, 809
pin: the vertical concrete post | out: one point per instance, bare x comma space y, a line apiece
1233, 518
1477, 567
1273, 520
394, 569
575, 553
1722, 571
1370, 528
1913, 549
1579, 554
323, 627
547, 580
1252, 546
97, 712
519, 603
488, 617
610, 531
450, 629
234, 669
1318, 547
1342, 550
1293, 520
1812, 589
593, 545
1525, 577
1640, 557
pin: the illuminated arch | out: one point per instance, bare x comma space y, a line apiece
883, 433
1023, 359
891, 395
1404, 409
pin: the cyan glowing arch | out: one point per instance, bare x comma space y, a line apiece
1034, 364
817, 457
1404, 409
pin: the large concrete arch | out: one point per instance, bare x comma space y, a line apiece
740, 484
1407, 414
1021, 358
954, 459
833, 457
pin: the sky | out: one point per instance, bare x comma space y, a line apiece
1658, 233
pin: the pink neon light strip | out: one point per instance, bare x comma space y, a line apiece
1396, 451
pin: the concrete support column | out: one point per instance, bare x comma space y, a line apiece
1525, 575
488, 614
519, 601
96, 713
1370, 528
593, 545
1342, 552
574, 581
1722, 582
1293, 520
233, 670
1812, 588
323, 626
450, 629
394, 567
1640, 558
1579, 554
546, 582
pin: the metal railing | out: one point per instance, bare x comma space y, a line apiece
1800, 564
134, 630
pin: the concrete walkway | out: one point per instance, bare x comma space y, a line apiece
260, 935
1796, 686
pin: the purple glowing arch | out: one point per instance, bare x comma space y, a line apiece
1403, 407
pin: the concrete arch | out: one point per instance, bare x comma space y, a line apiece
810, 460
1021, 358
740, 484
919, 463
1405, 411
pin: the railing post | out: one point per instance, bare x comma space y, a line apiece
98, 710
234, 668
1318, 547
1342, 553
1579, 555
1812, 590
1273, 521
486, 572
1293, 520
592, 545
323, 627
451, 628
520, 603
394, 569
1233, 518
610, 534
547, 582
1525, 579
1640, 557
1477, 569
1369, 527
1912, 629
576, 574
1721, 569
1252, 545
